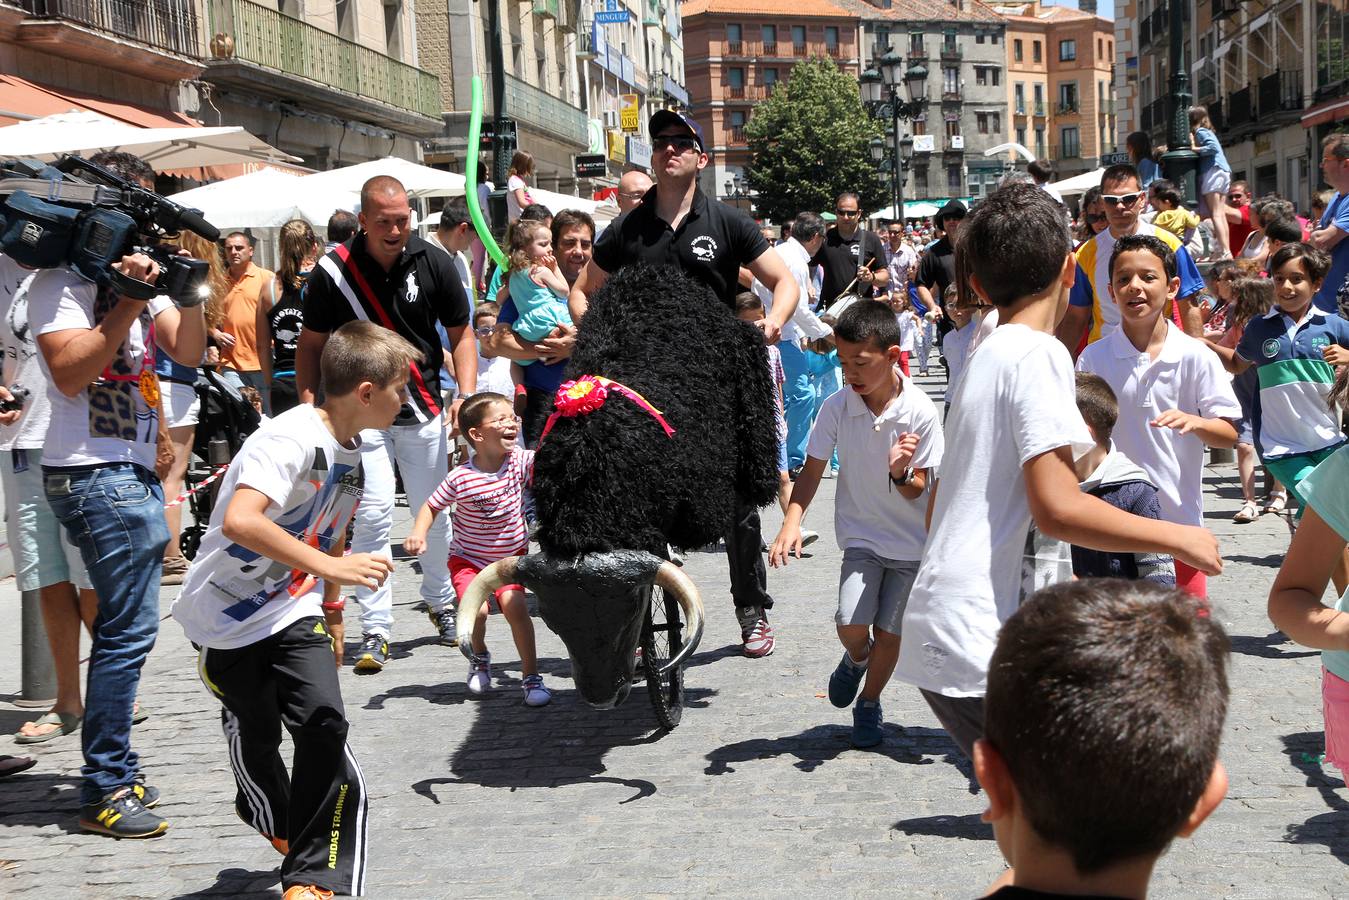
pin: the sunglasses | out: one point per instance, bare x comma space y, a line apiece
896, 234
483, 330
848, 213
679, 144
1117, 199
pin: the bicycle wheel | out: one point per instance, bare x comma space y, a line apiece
661, 640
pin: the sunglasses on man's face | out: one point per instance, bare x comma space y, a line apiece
678, 143
847, 213
1117, 199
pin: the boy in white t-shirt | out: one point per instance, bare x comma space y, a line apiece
888, 438
1174, 397
1015, 419
260, 594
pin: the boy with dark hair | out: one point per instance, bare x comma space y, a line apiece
1092, 677
259, 600
882, 422
1016, 422
1174, 396
1279, 232
1107, 473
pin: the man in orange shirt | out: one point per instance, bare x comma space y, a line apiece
237, 335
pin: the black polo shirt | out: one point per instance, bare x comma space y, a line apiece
419, 290
937, 272
710, 245
841, 258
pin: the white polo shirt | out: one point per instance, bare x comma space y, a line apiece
869, 511
1186, 375
803, 323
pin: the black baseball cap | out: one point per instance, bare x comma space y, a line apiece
664, 118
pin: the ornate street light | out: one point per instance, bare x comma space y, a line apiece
880, 86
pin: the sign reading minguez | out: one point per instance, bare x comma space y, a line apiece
488, 133
615, 17
591, 165
629, 113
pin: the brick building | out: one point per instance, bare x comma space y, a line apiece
735, 51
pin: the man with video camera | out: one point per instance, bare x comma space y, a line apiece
97, 349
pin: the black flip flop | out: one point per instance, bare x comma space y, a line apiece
13, 765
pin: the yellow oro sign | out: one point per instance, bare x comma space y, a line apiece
618, 147
630, 114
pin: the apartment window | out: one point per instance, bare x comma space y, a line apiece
987, 75
916, 44
799, 37
973, 185
919, 125
770, 77
831, 38
1070, 146
1021, 135
1100, 48
988, 122
1068, 96
949, 41
920, 180
345, 11
953, 179
1035, 51
1067, 51
769, 33
1018, 53
1039, 99
393, 29
981, 122
979, 38
1039, 142
738, 118
953, 128
1019, 97
734, 34
950, 80
993, 38
735, 78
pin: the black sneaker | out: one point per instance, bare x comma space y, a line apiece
372, 656
121, 815
147, 795
444, 622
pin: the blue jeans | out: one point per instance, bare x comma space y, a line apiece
114, 514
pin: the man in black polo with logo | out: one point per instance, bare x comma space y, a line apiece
676, 224
385, 274
851, 256
937, 268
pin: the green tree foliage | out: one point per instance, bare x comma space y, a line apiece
809, 142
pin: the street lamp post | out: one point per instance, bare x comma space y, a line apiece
880, 94
736, 190
1180, 163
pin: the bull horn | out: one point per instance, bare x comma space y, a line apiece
671, 578
484, 585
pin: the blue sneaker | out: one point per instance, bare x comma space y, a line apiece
866, 724
845, 681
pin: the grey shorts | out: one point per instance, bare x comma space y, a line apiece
873, 590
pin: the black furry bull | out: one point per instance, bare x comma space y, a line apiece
612, 489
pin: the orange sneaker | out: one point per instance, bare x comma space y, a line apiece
306, 892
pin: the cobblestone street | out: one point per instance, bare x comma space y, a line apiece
757, 792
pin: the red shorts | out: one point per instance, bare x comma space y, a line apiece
1335, 708
904, 362
462, 573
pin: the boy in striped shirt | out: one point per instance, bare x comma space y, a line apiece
486, 497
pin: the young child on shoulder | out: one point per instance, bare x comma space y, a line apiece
1105, 472
1172, 214
1016, 423
261, 601
889, 439
1174, 397
487, 523
535, 283
1295, 349
1091, 677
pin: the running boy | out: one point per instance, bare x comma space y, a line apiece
1174, 397
1295, 348
888, 438
1016, 422
1093, 677
251, 603
487, 523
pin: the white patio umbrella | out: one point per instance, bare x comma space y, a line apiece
417, 180
599, 210
913, 209
1079, 184
81, 131
267, 199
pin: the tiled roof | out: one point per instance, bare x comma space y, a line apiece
1016, 12
923, 11
798, 8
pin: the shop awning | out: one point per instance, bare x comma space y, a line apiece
1332, 111
21, 100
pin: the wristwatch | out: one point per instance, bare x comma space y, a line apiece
905, 478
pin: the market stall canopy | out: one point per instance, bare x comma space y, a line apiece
267, 199
916, 209
599, 210
1079, 184
85, 132
417, 180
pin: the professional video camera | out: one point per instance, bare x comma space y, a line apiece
79, 214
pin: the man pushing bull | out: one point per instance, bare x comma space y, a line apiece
677, 224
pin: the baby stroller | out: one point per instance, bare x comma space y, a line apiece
225, 420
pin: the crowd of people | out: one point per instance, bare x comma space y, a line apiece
383, 358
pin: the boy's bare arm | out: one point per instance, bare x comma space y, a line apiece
247, 525
803, 491
415, 542
1295, 605
1213, 432
1062, 511
333, 605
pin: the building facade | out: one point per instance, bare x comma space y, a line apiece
1061, 91
736, 51
962, 44
1272, 75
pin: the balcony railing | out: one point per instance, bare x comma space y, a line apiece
770, 49
526, 103
799, 50
735, 48
734, 92
1066, 151
833, 51
950, 51
276, 41
1040, 108
164, 24
1020, 108
1239, 111
951, 96
1280, 91
1105, 107
736, 136
917, 52
1069, 108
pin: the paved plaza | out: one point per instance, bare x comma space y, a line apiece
756, 793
